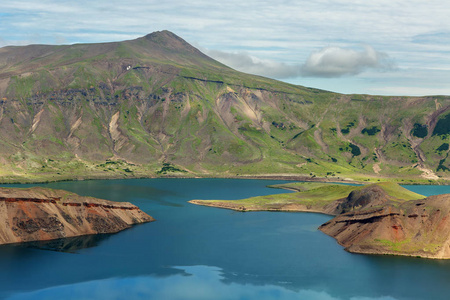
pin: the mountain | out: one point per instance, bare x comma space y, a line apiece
38, 214
156, 106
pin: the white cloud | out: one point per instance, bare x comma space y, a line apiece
336, 62
327, 62
250, 64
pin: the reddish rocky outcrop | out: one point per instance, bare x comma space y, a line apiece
35, 214
379, 218
413, 228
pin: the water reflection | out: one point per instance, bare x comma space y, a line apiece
196, 283
258, 255
71, 244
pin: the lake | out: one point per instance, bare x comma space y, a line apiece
196, 252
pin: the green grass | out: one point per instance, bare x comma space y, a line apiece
396, 191
314, 196
297, 131
299, 186
319, 195
395, 246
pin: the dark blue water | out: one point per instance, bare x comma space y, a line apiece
195, 252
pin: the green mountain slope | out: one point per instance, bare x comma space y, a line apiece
158, 106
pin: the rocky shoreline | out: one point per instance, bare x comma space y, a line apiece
37, 214
418, 228
374, 219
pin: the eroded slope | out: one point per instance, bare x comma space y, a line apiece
34, 214
125, 109
414, 228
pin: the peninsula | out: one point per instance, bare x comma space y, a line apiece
37, 214
379, 218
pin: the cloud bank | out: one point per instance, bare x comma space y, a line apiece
250, 64
336, 62
327, 62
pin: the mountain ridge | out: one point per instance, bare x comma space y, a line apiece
156, 106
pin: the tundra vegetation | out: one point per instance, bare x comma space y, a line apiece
156, 106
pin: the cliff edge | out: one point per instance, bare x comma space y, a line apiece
36, 214
414, 228
382, 218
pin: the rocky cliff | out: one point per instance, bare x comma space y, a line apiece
413, 228
382, 218
34, 214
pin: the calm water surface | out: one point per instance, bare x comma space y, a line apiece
195, 252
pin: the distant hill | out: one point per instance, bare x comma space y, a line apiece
156, 106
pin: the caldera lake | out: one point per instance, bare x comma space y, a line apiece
197, 252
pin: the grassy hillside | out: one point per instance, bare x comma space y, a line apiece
156, 106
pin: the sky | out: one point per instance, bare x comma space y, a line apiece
382, 47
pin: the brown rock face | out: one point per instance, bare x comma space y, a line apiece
413, 228
36, 214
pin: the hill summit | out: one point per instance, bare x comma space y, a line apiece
157, 106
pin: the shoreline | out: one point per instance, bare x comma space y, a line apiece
383, 218
238, 208
287, 177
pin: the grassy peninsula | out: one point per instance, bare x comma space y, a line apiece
379, 218
310, 197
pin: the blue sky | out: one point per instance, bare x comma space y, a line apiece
385, 47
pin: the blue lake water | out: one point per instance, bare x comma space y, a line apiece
195, 252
